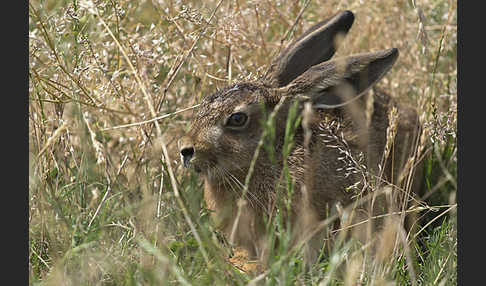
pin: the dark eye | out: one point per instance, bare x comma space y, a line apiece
237, 119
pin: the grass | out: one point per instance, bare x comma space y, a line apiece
111, 205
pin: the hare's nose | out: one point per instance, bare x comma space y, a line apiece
186, 154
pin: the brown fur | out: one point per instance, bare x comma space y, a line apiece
336, 162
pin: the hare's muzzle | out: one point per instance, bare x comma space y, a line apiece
186, 155
187, 151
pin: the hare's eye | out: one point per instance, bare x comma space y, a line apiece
237, 119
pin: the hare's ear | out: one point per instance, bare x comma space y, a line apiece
315, 46
335, 83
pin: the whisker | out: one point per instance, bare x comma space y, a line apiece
253, 198
226, 182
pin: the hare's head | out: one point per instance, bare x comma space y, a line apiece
227, 127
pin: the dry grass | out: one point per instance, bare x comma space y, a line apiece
110, 204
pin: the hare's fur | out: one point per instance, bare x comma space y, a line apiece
336, 151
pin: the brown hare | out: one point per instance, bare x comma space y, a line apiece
337, 148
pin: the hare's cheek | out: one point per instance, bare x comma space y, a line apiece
232, 146
214, 135
210, 137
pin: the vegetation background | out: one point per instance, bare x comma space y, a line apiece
109, 202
